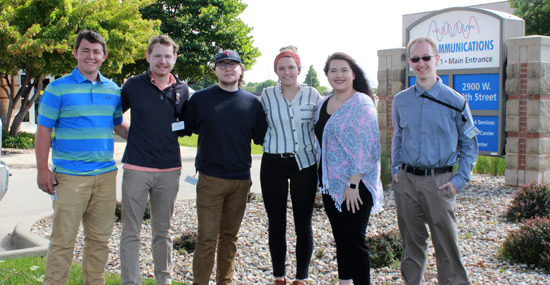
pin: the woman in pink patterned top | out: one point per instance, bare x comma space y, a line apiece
349, 157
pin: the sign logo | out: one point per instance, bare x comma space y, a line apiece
466, 39
453, 30
227, 52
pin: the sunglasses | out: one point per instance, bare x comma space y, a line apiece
424, 58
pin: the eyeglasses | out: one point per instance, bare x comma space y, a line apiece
424, 58
224, 65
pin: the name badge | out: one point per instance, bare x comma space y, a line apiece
176, 126
472, 132
191, 180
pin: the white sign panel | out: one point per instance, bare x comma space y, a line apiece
466, 39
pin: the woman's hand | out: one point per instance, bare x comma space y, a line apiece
352, 198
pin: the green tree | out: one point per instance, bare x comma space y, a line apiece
260, 87
536, 14
202, 29
203, 84
38, 36
250, 87
321, 89
311, 77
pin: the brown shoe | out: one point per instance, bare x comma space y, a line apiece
280, 282
296, 282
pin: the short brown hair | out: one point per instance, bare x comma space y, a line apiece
91, 37
163, 40
422, 40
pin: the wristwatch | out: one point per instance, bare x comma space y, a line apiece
352, 186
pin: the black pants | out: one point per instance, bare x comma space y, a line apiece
275, 173
349, 230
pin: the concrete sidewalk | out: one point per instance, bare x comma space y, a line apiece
28, 159
24, 203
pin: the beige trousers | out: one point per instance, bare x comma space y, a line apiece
90, 199
419, 202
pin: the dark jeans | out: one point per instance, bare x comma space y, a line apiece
349, 232
274, 175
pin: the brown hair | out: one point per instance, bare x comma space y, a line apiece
163, 40
360, 82
91, 37
243, 69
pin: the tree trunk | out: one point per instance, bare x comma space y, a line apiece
26, 104
9, 90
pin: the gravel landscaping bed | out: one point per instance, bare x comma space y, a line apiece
482, 229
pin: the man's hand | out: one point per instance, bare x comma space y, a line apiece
46, 180
449, 184
396, 178
351, 196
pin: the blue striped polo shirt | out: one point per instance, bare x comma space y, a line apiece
82, 114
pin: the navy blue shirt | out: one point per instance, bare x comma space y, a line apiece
226, 123
151, 141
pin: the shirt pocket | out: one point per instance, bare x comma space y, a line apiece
306, 112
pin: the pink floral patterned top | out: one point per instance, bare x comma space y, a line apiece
351, 145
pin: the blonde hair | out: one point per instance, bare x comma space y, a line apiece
422, 40
163, 40
291, 48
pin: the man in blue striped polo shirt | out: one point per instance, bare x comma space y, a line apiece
83, 107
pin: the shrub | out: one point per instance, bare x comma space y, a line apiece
118, 211
385, 248
186, 241
531, 200
254, 198
490, 165
22, 140
318, 204
385, 166
320, 253
530, 244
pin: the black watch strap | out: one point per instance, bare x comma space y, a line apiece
352, 186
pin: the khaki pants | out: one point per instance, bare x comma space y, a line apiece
162, 188
90, 199
221, 204
419, 201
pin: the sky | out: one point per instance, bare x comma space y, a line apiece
321, 27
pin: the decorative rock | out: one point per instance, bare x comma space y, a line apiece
482, 229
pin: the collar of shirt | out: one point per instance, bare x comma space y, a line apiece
279, 89
434, 91
80, 78
171, 82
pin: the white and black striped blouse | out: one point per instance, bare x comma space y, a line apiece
290, 124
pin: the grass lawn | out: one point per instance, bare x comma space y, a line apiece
192, 142
30, 270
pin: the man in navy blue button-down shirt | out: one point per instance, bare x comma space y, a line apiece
433, 129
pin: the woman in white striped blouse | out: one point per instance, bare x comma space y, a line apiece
289, 154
